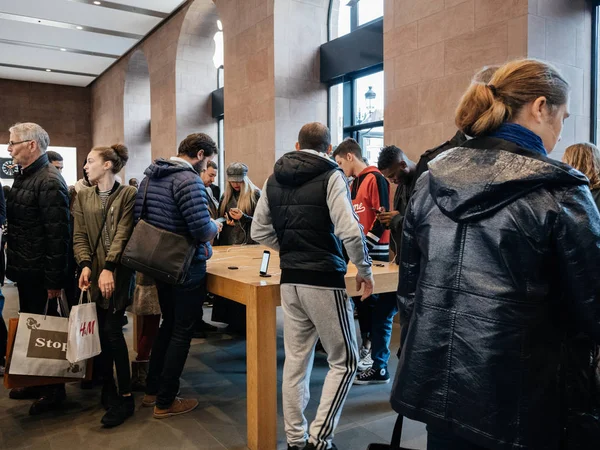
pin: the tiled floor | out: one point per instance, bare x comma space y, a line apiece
215, 374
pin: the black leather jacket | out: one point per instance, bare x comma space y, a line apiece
500, 259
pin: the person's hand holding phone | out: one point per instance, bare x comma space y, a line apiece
229, 221
236, 213
385, 217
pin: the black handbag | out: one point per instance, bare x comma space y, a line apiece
396, 438
163, 255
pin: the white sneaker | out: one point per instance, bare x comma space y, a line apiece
364, 351
365, 363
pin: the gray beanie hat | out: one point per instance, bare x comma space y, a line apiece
237, 172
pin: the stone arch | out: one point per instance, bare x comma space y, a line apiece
137, 116
196, 75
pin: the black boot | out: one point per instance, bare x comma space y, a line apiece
27, 393
51, 399
109, 396
119, 413
139, 373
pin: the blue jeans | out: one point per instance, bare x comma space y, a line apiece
384, 309
180, 306
444, 440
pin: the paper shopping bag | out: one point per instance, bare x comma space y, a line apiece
84, 337
40, 348
22, 381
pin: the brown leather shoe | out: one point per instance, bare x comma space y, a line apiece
149, 401
178, 407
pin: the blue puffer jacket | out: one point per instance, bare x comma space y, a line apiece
177, 202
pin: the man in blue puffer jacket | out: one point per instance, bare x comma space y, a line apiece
177, 202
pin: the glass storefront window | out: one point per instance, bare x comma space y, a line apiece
369, 96
344, 20
369, 10
336, 114
371, 142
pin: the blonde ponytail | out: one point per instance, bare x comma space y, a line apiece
484, 107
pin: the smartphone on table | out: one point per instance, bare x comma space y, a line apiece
264, 265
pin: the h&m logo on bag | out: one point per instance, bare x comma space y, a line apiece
87, 328
47, 344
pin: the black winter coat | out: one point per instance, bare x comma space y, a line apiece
500, 259
38, 226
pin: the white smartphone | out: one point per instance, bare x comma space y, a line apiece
264, 265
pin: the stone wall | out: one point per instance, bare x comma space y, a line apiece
63, 111
196, 75
137, 116
300, 30
249, 84
432, 48
560, 32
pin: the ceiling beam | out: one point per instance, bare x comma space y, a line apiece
47, 69
59, 49
120, 7
68, 26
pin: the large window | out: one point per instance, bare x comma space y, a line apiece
369, 10
218, 61
356, 111
356, 103
348, 15
70, 164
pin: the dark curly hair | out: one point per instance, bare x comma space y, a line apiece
195, 142
388, 156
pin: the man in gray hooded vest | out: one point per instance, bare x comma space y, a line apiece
306, 214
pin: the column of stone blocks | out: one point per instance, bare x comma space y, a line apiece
560, 31
137, 116
432, 48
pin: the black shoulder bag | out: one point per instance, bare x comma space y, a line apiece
396, 438
158, 253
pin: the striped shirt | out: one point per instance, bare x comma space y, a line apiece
104, 199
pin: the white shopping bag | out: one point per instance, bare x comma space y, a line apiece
41, 346
84, 336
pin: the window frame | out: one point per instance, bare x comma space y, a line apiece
354, 19
350, 127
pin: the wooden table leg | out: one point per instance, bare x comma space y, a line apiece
261, 354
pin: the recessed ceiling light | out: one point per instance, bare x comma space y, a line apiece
48, 70
79, 28
97, 3
63, 49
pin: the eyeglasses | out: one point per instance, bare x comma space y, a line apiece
12, 144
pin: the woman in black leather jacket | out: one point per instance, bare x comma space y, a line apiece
499, 262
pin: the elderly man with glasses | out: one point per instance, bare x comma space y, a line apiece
38, 239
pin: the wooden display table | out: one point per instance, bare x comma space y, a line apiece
261, 297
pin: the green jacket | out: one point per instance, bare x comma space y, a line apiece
88, 215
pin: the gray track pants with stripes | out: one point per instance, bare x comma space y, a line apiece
311, 313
